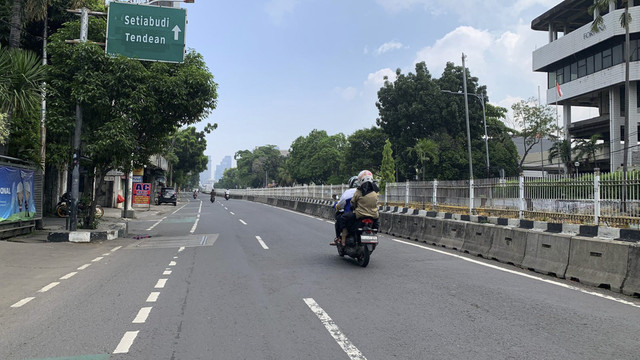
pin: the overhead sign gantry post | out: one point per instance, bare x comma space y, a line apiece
146, 32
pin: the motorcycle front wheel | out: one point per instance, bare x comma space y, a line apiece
363, 260
99, 211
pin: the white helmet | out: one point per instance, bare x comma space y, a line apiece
353, 182
365, 176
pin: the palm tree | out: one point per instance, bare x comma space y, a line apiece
561, 150
426, 150
587, 148
21, 74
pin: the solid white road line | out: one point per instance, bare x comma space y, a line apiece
153, 297
242, 222
291, 211
330, 222
68, 276
181, 207
195, 224
49, 287
264, 246
142, 316
116, 248
166, 272
22, 302
97, 259
156, 224
84, 266
126, 342
173, 263
161, 283
338, 336
566, 286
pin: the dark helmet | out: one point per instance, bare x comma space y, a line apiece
353, 182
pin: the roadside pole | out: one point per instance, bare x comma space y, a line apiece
75, 175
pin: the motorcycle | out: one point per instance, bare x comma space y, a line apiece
213, 198
64, 205
360, 244
195, 195
226, 196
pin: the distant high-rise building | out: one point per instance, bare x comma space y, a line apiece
205, 176
224, 165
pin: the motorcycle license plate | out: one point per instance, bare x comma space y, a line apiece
368, 238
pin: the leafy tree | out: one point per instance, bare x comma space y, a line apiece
191, 161
502, 150
364, 150
388, 167
130, 108
535, 121
254, 168
318, 158
229, 180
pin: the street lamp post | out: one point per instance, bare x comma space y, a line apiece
484, 120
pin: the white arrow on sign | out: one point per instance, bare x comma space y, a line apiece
176, 30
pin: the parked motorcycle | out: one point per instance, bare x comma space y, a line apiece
361, 243
64, 205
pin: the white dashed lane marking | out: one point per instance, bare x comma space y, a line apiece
22, 302
126, 342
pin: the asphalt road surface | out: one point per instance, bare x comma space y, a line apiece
242, 280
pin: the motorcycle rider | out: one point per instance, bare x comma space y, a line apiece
213, 195
364, 204
226, 194
343, 206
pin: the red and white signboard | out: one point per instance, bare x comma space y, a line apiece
141, 193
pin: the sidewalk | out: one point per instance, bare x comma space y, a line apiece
110, 226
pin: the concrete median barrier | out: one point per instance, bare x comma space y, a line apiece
478, 239
631, 284
432, 232
400, 225
453, 234
547, 253
509, 245
416, 226
386, 222
598, 262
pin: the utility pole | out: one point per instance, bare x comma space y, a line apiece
75, 175
466, 112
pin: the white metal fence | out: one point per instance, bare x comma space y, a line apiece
587, 198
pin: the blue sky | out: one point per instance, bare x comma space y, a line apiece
286, 67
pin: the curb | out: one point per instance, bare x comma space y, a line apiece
117, 230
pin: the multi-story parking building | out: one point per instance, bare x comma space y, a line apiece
589, 68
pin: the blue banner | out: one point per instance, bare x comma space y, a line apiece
17, 201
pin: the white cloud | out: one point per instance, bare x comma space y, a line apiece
277, 9
389, 46
376, 79
349, 93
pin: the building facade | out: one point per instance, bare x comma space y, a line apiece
587, 69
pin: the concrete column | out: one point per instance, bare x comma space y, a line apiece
550, 33
566, 119
615, 129
633, 121
612, 6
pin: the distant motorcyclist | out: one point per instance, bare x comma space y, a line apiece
364, 204
213, 196
195, 194
226, 194
343, 206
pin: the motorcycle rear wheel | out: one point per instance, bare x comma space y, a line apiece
61, 210
363, 260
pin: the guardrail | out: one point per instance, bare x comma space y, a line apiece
580, 198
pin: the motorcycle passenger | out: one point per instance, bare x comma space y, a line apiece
343, 206
364, 203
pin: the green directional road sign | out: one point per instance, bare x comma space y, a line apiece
146, 32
